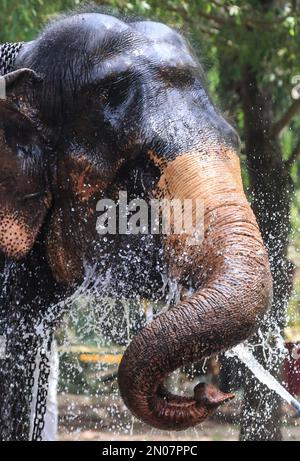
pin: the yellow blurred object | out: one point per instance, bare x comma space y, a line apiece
101, 358
292, 334
81, 349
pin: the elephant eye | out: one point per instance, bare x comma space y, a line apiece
116, 92
178, 78
34, 195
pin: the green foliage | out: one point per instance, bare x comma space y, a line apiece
22, 20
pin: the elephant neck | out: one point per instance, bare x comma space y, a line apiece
8, 54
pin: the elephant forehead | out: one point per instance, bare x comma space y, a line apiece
107, 36
82, 34
147, 56
158, 32
155, 41
164, 53
95, 22
100, 24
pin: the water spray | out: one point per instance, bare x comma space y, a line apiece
245, 355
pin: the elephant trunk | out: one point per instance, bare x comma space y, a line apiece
234, 291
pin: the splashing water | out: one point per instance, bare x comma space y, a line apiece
105, 320
245, 355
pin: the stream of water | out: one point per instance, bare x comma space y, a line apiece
245, 355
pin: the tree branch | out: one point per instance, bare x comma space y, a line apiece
218, 20
212, 31
222, 21
294, 156
252, 21
285, 120
225, 19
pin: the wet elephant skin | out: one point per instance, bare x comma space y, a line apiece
98, 104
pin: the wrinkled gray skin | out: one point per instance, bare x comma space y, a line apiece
108, 106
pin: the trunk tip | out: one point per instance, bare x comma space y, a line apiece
209, 396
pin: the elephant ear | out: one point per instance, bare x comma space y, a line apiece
24, 189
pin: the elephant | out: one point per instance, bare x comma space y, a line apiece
99, 104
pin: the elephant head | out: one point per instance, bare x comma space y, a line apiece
115, 94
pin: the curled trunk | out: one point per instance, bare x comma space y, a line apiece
234, 291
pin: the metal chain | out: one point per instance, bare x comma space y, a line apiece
8, 54
42, 390
31, 346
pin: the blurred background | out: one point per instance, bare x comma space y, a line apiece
250, 52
